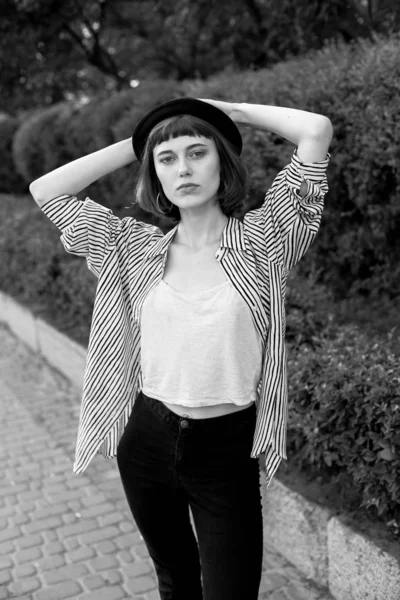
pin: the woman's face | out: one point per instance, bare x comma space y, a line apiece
188, 160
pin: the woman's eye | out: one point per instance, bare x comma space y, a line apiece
196, 154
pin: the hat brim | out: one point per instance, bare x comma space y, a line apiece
189, 106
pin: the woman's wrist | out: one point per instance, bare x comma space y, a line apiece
239, 113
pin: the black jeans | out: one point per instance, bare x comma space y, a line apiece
168, 463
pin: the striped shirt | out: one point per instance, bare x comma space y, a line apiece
129, 257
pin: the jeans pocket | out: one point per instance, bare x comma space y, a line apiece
136, 427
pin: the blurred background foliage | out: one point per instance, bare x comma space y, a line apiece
51, 51
78, 76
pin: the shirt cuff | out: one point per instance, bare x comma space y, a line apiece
314, 171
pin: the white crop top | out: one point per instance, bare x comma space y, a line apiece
199, 348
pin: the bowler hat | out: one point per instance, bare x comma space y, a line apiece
188, 106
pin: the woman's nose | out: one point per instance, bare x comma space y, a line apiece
184, 166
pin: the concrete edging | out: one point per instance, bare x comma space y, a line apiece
314, 539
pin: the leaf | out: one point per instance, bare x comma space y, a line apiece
360, 440
386, 454
368, 455
379, 468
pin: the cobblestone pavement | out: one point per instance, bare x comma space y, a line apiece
72, 536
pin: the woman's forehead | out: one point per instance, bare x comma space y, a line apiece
182, 141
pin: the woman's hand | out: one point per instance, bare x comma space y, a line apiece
228, 108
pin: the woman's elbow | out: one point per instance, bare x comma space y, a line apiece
33, 188
324, 128
36, 192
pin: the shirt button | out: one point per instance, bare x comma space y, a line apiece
184, 424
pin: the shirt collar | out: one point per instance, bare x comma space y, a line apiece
232, 237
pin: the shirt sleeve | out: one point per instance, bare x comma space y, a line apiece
88, 228
288, 222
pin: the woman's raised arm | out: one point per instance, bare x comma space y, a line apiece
75, 176
310, 132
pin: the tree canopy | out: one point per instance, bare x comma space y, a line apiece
51, 50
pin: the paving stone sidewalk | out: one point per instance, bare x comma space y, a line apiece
72, 536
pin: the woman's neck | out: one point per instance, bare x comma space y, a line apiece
200, 234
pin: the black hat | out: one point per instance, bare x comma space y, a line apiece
188, 106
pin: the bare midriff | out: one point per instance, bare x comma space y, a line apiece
195, 271
205, 412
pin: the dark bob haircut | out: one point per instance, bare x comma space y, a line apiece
234, 178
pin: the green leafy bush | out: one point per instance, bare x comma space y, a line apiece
344, 415
310, 310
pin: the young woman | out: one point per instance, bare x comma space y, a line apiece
185, 380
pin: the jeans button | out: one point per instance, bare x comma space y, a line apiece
184, 424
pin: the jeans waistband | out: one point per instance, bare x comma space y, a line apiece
229, 420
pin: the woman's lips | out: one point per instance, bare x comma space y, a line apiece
189, 187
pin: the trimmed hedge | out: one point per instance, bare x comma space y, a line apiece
36, 270
10, 180
37, 147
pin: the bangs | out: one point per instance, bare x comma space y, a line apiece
177, 126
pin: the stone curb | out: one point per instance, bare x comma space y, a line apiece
314, 539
